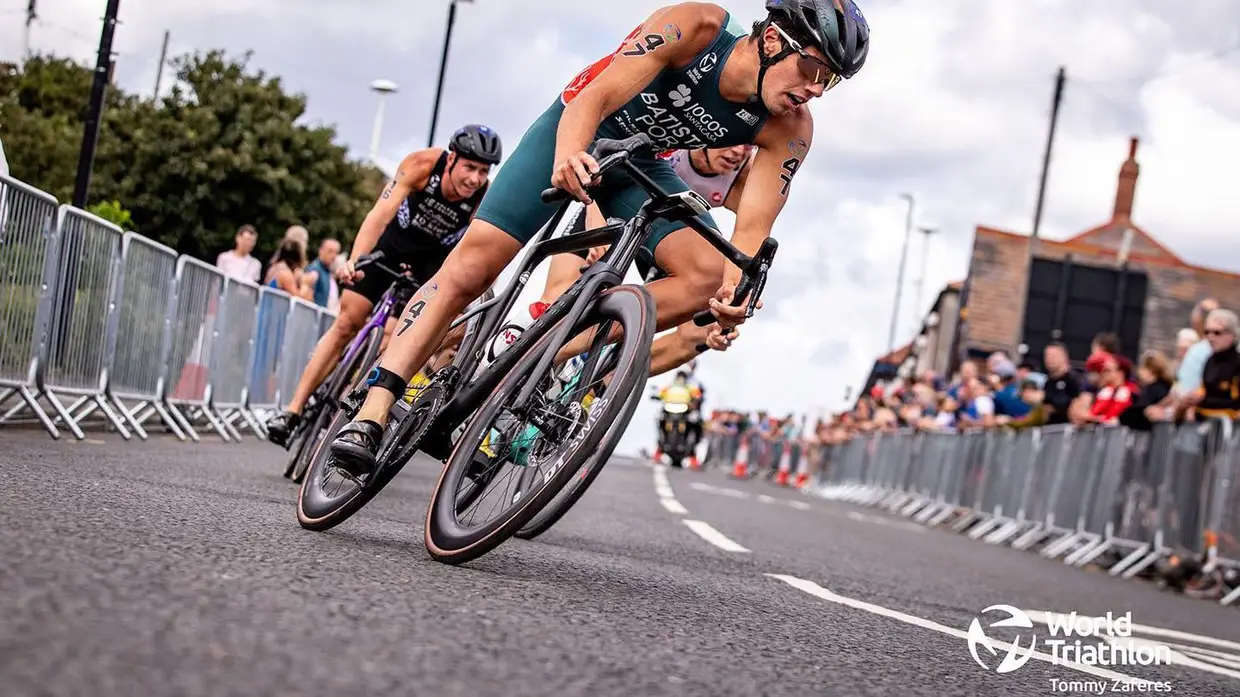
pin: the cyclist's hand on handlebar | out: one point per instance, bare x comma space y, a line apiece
720, 339
348, 274
574, 174
721, 306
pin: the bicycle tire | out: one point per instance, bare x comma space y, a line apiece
572, 493
633, 308
312, 514
337, 384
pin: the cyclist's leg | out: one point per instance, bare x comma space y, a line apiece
566, 268
355, 308
694, 269
510, 213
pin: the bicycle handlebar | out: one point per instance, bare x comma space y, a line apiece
375, 259
608, 153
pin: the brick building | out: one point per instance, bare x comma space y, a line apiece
1113, 277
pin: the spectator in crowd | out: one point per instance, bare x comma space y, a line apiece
1032, 394
237, 262
977, 406
297, 234
1008, 392
1192, 362
333, 300
1155, 377
1219, 394
1062, 388
1116, 391
319, 273
287, 271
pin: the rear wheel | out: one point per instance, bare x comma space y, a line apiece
556, 433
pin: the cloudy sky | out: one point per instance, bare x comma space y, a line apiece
952, 107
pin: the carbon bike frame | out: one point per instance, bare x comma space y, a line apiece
624, 240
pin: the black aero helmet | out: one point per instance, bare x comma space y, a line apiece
476, 142
835, 27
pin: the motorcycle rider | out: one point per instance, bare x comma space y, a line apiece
682, 398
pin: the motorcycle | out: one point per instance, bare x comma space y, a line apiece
674, 437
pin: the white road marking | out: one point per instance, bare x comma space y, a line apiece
713, 536
673, 506
819, 592
666, 496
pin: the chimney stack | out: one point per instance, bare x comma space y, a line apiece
1127, 189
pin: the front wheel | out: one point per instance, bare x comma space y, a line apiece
569, 495
556, 433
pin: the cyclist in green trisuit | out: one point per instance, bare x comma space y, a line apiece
689, 77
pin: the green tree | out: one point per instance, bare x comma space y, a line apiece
224, 148
113, 212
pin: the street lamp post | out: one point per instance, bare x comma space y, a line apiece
443, 66
384, 88
908, 234
926, 232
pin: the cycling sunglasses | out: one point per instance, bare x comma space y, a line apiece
811, 67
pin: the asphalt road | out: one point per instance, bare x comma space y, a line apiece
169, 569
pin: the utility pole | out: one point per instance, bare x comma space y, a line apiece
163, 60
31, 15
71, 250
908, 234
94, 114
443, 67
1061, 78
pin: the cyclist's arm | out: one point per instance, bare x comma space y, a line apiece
782, 147
413, 173
626, 75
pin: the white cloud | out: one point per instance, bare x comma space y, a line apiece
953, 107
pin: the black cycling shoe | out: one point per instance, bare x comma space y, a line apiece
356, 448
281, 426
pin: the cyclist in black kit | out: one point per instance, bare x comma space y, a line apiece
417, 220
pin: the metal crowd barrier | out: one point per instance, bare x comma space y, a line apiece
1071, 493
130, 330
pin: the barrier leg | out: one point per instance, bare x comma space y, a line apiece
1031, 538
185, 425
1085, 542
128, 417
969, 518
1004, 533
942, 516
64, 415
112, 416
168, 420
1061, 545
216, 423
927, 513
1132, 558
985, 526
1230, 597
913, 506
31, 400
232, 430
1094, 552
1147, 560
259, 430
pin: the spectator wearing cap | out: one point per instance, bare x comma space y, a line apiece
1219, 394
1008, 398
1063, 387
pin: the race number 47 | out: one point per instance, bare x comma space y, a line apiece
789, 168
